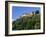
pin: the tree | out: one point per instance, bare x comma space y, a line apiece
37, 12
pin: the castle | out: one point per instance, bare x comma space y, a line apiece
29, 14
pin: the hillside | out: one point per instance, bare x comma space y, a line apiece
27, 22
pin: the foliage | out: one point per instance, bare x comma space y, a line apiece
26, 23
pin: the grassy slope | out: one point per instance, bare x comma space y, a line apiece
26, 23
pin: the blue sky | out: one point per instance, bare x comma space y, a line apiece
18, 11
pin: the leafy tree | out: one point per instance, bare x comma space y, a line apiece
37, 12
